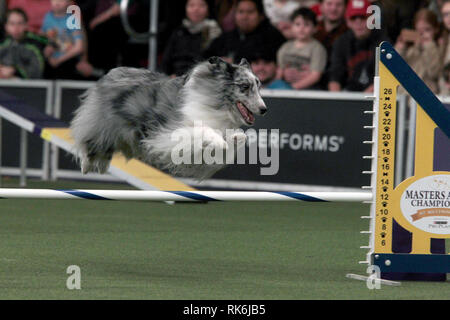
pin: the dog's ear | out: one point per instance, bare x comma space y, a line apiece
220, 64
244, 63
215, 60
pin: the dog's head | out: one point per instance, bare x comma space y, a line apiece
232, 88
241, 93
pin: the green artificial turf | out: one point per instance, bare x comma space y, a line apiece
138, 250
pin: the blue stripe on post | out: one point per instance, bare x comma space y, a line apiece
415, 87
300, 196
413, 263
193, 196
37, 130
84, 195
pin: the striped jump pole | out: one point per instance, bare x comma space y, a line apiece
145, 195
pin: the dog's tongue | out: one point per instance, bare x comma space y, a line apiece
246, 114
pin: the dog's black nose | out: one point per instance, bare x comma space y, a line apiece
262, 110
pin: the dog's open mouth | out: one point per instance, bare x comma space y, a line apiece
246, 114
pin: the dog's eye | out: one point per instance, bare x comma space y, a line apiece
244, 87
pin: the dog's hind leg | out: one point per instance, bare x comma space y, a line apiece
102, 160
95, 159
86, 165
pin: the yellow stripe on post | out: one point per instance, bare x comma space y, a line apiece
424, 154
62, 133
385, 205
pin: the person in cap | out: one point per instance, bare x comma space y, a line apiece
353, 54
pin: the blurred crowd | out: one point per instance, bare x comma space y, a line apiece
290, 44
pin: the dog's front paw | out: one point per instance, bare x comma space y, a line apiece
239, 138
217, 144
214, 140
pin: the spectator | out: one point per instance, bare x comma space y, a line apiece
225, 11
398, 15
435, 6
316, 8
307, 3
105, 35
423, 54
353, 56
66, 44
331, 26
110, 46
35, 10
86, 70
301, 62
187, 43
264, 66
170, 16
105, 10
21, 51
279, 13
253, 31
444, 81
